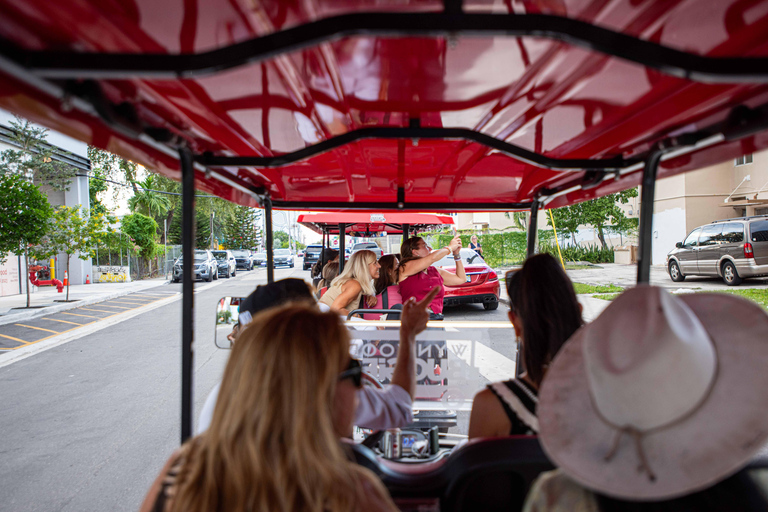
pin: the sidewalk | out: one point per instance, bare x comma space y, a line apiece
43, 300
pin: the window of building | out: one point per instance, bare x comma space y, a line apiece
744, 160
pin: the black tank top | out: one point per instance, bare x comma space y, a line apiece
519, 400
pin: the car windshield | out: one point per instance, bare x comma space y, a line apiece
261, 255
199, 257
468, 256
368, 245
240, 253
282, 252
313, 250
220, 255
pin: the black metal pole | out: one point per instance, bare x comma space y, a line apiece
406, 231
187, 301
533, 229
646, 217
270, 241
342, 243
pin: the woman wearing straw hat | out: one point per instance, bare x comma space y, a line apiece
545, 313
657, 405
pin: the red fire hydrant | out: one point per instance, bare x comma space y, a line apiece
51, 282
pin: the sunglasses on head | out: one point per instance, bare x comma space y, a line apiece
354, 371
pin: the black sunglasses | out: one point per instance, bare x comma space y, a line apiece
354, 371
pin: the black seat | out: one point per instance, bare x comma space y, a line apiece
493, 474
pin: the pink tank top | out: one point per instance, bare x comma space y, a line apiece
418, 286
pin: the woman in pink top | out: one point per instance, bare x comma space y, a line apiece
417, 276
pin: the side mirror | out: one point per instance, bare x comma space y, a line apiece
679, 245
226, 321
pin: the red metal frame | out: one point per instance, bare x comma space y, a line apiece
372, 222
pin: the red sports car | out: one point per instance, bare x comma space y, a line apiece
482, 286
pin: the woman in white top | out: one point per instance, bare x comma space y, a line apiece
356, 280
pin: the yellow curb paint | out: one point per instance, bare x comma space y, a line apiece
98, 310
37, 328
14, 339
62, 321
110, 306
75, 314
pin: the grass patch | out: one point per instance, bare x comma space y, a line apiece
607, 296
588, 288
757, 295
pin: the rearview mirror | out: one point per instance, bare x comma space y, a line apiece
226, 321
679, 245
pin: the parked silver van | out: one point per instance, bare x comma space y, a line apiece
733, 249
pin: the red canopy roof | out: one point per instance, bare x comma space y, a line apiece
508, 89
368, 224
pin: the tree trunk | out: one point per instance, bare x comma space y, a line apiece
26, 273
601, 236
67, 299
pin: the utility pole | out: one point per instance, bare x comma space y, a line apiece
212, 238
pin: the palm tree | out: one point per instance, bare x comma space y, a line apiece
148, 201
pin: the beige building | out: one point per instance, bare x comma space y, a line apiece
730, 189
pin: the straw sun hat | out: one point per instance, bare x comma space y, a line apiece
660, 396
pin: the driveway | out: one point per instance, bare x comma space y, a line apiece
626, 275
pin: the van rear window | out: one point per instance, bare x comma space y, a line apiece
759, 231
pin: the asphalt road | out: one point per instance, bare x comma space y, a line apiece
87, 425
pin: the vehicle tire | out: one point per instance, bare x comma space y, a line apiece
234, 273
674, 272
730, 276
229, 274
210, 277
174, 280
491, 306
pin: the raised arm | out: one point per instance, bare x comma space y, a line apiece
413, 267
460, 277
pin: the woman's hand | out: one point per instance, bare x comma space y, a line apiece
455, 245
371, 300
414, 317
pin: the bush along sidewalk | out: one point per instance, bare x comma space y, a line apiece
590, 253
499, 249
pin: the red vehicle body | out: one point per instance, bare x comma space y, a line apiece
482, 288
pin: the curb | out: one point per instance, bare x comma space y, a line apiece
11, 318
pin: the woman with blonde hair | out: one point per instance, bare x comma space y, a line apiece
355, 281
290, 368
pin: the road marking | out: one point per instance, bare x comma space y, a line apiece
38, 328
110, 306
98, 310
62, 321
14, 339
131, 302
75, 314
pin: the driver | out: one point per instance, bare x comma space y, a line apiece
377, 409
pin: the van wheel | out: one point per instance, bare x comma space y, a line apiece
674, 272
730, 276
490, 306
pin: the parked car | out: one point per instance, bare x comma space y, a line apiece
300, 254
205, 267
732, 249
367, 246
311, 255
260, 259
243, 259
482, 286
227, 263
283, 257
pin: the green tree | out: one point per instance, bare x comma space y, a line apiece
24, 214
106, 165
241, 229
148, 200
72, 230
142, 231
34, 158
602, 214
281, 240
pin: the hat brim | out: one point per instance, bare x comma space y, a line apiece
714, 442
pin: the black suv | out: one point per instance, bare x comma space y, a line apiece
311, 255
732, 249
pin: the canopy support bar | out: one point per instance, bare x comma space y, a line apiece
342, 244
270, 249
646, 217
516, 152
533, 229
78, 65
187, 301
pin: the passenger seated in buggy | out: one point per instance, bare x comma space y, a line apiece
658, 405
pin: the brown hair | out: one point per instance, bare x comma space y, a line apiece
256, 455
388, 263
407, 248
542, 296
330, 271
